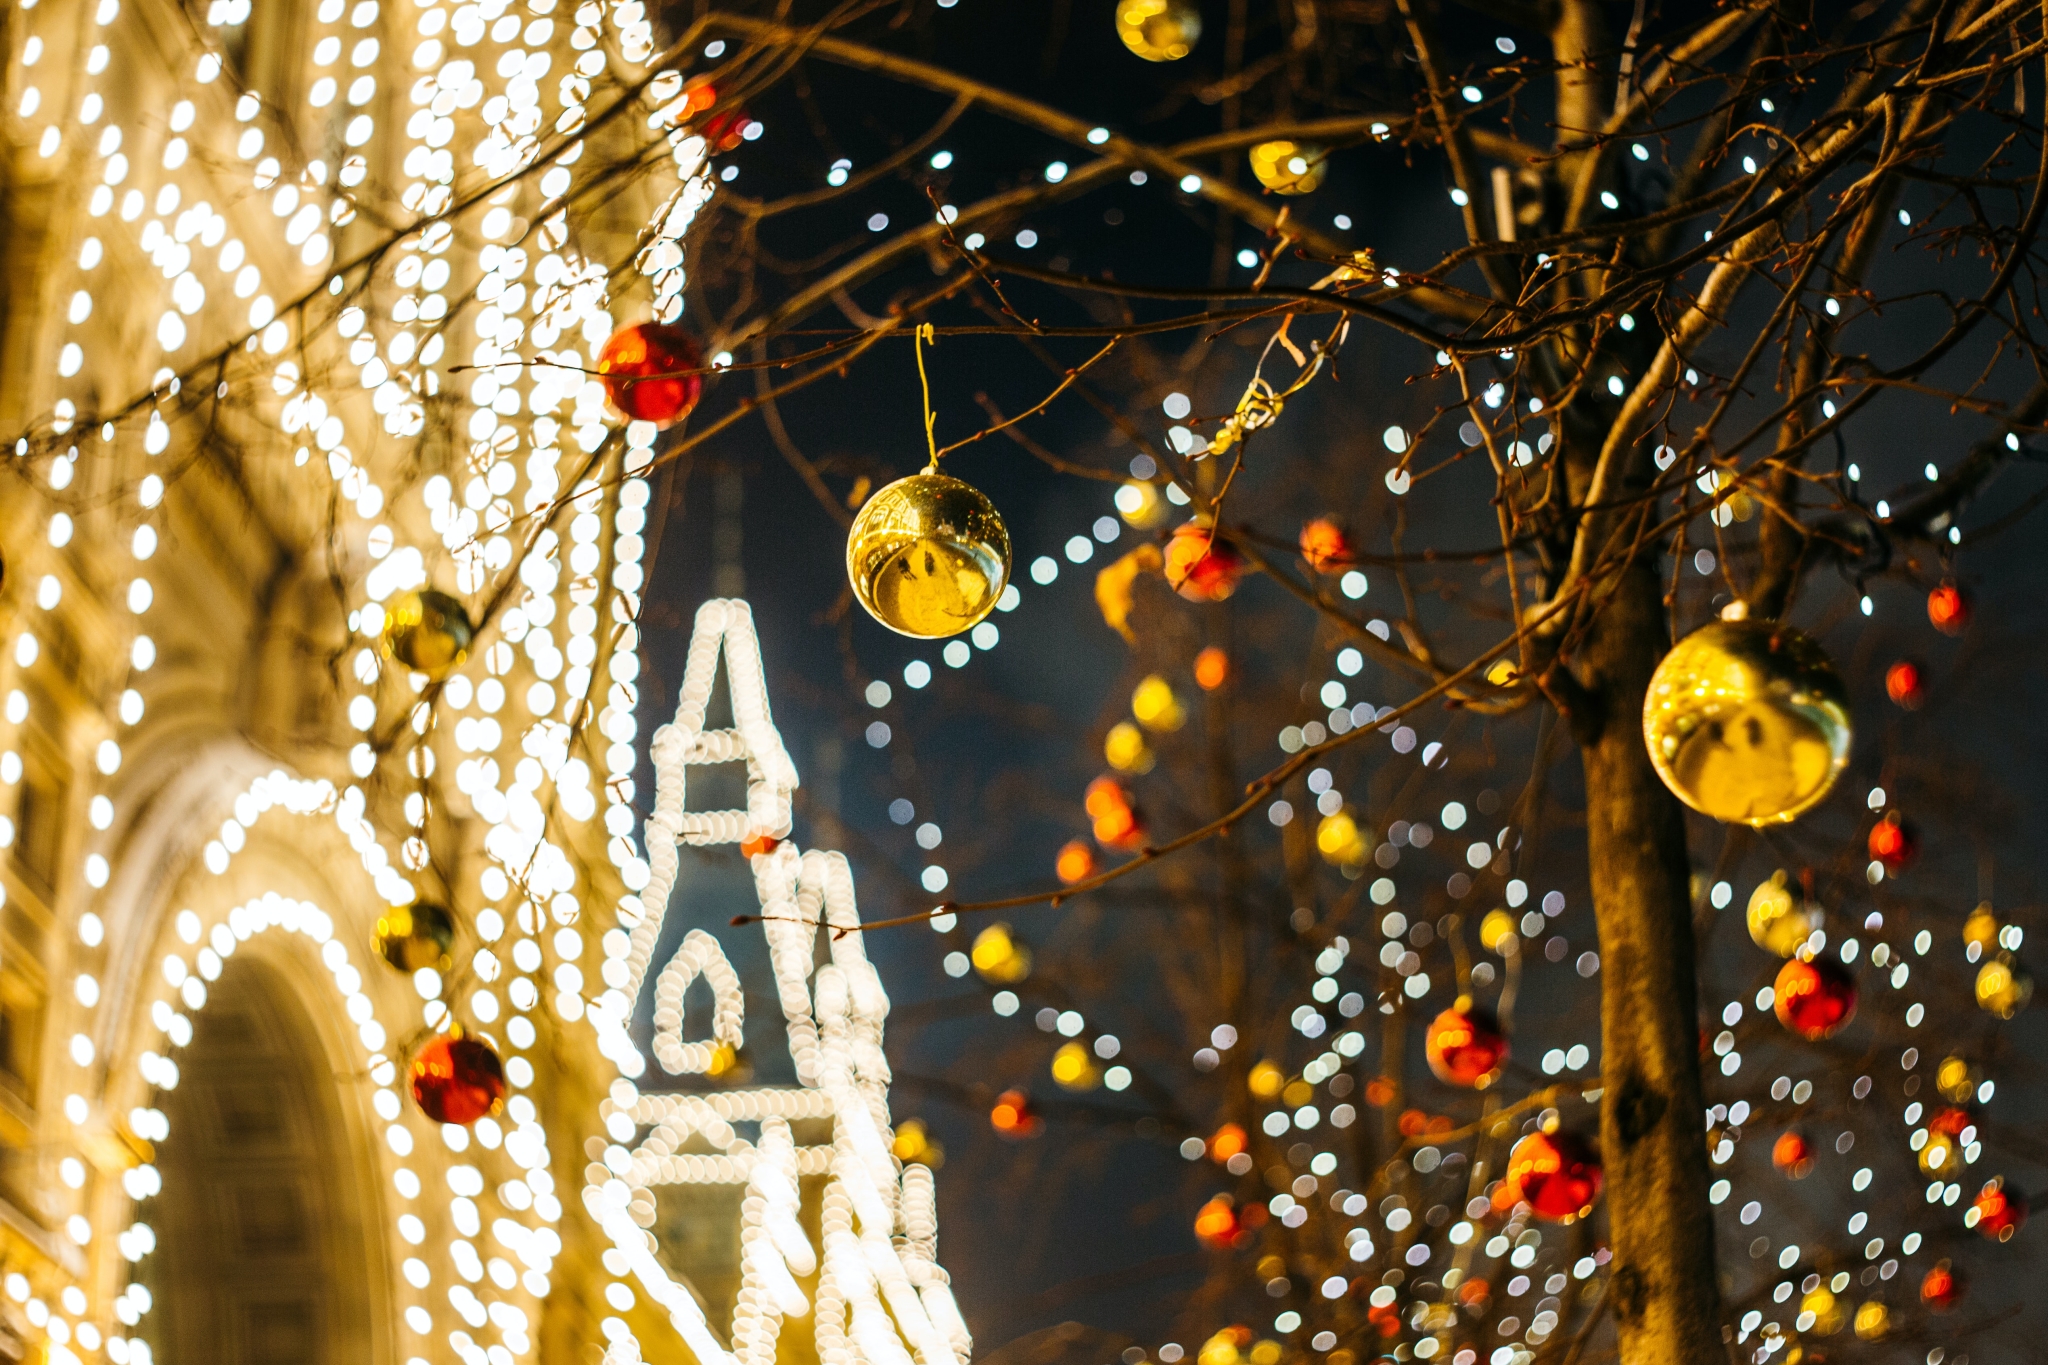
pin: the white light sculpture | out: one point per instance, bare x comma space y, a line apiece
881, 1297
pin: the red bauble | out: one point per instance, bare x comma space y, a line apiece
2000, 1211
1941, 1289
1201, 565
1893, 842
1013, 1115
1555, 1174
1815, 999
1948, 609
457, 1080
1325, 546
1905, 682
650, 372
1465, 1047
1793, 1155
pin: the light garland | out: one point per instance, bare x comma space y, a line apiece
881, 1296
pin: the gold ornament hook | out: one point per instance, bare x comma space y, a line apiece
926, 332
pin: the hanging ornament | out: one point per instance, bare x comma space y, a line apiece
1286, 167
1894, 843
1828, 1315
1556, 1174
1949, 609
1216, 1225
1117, 822
457, 1078
1156, 707
1793, 1155
1747, 721
411, 937
998, 957
428, 632
1873, 1321
1465, 1046
1325, 547
1980, 931
913, 1144
1941, 1154
1941, 1289
1124, 749
1780, 917
1201, 565
1815, 998
1159, 30
1956, 1079
651, 372
1997, 1212
1905, 682
928, 556
1073, 1067
2003, 987
1014, 1117
1226, 1142
1341, 840
1075, 863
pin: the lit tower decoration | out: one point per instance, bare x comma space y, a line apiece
881, 1296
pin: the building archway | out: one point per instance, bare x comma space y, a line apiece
262, 1230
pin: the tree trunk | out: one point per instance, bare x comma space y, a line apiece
1663, 1294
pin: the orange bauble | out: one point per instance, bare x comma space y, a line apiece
1227, 1141
1555, 1174
759, 843
1793, 1155
1941, 1289
1076, 861
1893, 842
1948, 609
1212, 669
1905, 682
1201, 565
2000, 1212
1216, 1224
1814, 999
1117, 824
457, 1079
1013, 1115
1465, 1046
1325, 546
650, 372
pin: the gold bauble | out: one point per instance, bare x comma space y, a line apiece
1159, 30
1747, 721
1073, 1067
428, 632
1125, 750
998, 957
1826, 1309
1497, 932
1286, 167
1780, 919
1341, 842
1980, 930
410, 937
1155, 705
1873, 1320
1956, 1079
928, 556
2003, 986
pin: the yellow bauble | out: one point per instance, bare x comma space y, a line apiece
1265, 1080
1289, 167
1956, 1079
1073, 1067
998, 957
428, 632
1747, 721
1155, 706
1341, 842
1125, 750
1159, 30
928, 556
1780, 919
1873, 1320
410, 937
1980, 930
2003, 986
1497, 932
1827, 1311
